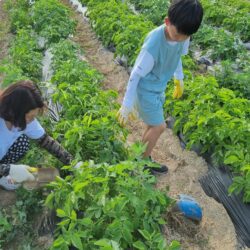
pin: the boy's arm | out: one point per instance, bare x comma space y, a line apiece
143, 65
178, 74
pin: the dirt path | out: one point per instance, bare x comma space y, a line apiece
216, 230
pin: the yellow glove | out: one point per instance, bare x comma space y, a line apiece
178, 88
124, 114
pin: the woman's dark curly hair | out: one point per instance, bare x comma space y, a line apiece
17, 100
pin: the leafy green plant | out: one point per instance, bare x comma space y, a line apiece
18, 11
108, 207
238, 82
5, 227
51, 19
119, 29
223, 45
207, 116
11, 73
64, 50
26, 54
216, 13
154, 10
18, 220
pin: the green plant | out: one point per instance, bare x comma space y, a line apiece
119, 29
207, 116
108, 206
11, 73
18, 220
51, 19
26, 55
222, 44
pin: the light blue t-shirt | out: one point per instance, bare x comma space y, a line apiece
166, 58
8, 136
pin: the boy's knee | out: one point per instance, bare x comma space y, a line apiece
161, 128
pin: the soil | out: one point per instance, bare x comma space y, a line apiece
216, 230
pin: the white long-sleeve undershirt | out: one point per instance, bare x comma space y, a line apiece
143, 65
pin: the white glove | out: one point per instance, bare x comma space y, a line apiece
124, 114
20, 173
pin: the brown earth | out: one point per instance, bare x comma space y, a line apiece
216, 230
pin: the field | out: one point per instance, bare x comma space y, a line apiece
110, 202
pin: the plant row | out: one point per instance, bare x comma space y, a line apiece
219, 113
100, 206
106, 203
238, 21
215, 120
216, 43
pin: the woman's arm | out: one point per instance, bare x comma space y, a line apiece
53, 147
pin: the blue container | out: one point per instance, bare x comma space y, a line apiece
189, 207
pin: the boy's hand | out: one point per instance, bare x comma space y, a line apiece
178, 88
124, 114
20, 173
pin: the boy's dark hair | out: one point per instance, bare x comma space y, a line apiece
185, 15
17, 100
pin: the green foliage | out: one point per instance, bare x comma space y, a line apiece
110, 206
207, 116
26, 55
51, 20
216, 13
89, 128
242, 184
121, 28
92, 138
5, 227
72, 71
11, 73
18, 220
154, 10
19, 14
64, 50
222, 44
239, 82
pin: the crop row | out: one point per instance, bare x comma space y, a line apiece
106, 203
208, 115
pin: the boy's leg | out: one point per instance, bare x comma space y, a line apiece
151, 136
145, 131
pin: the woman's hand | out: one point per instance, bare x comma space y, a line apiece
20, 173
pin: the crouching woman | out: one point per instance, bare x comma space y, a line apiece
20, 104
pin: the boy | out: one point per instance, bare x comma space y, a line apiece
158, 61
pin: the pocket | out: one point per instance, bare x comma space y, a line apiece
148, 101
